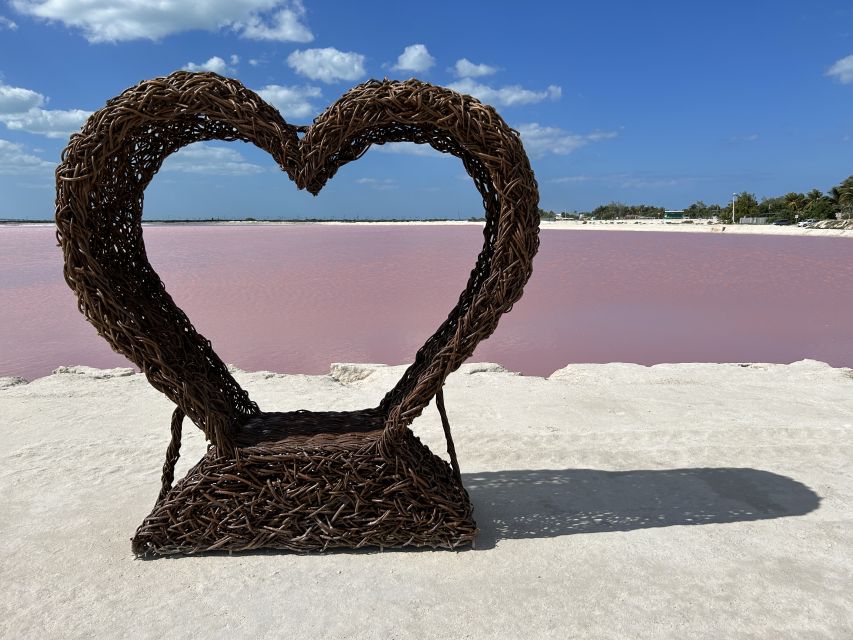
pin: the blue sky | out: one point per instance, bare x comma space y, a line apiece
662, 103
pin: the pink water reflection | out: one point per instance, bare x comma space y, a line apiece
295, 298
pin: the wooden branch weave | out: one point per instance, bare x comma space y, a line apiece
300, 480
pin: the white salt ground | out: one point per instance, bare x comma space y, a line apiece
614, 501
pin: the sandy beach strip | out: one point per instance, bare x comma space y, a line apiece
698, 226
614, 501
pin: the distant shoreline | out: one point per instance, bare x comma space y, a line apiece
677, 226
697, 226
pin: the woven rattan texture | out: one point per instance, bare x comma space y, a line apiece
320, 460
303, 496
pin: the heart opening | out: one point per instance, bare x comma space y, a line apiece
106, 168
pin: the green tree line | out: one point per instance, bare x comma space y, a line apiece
834, 204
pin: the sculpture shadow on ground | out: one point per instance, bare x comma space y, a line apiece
546, 503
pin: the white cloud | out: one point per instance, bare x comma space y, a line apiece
254, 62
507, 96
464, 68
539, 140
201, 157
118, 20
415, 58
596, 136
21, 110
410, 149
285, 26
5, 23
842, 70
18, 99
215, 64
378, 184
235, 59
747, 137
53, 123
637, 180
327, 65
15, 160
292, 102
571, 179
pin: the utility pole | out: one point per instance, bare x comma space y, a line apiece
734, 195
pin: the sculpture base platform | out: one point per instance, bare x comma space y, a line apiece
312, 492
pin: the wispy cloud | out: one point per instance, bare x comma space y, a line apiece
539, 140
53, 123
327, 65
410, 149
121, 20
746, 137
571, 179
639, 182
15, 160
18, 99
629, 180
5, 23
380, 184
205, 158
464, 68
291, 101
842, 70
415, 58
507, 96
22, 110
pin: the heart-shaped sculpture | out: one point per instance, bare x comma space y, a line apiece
100, 186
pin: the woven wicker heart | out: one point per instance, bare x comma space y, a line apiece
371, 481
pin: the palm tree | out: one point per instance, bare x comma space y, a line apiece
817, 206
845, 198
813, 196
795, 202
835, 196
842, 197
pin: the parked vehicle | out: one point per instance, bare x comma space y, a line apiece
782, 223
807, 223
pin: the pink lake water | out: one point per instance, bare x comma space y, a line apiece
295, 298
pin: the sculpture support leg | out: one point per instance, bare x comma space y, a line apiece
172, 453
451, 450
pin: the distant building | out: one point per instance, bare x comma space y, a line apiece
673, 214
753, 220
